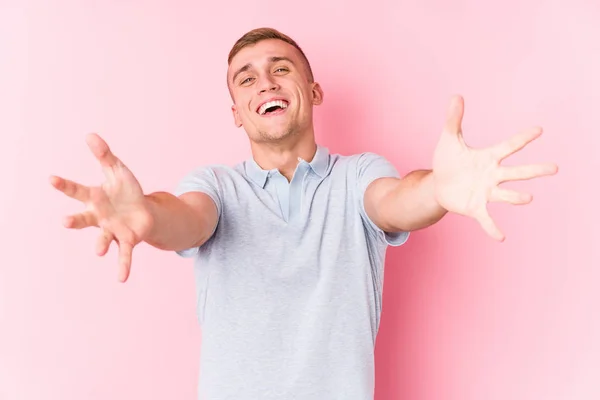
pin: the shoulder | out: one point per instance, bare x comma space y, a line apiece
363, 164
214, 172
210, 178
356, 158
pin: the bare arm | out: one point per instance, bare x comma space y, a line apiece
406, 204
127, 216
463, 181
179, 223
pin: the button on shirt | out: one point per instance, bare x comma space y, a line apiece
289, 285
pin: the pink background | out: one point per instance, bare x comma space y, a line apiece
464, 317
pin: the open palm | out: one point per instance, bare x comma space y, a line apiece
117, 206
466, 179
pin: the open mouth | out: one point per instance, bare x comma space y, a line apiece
273, 107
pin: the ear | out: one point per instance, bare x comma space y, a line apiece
318, 94
236, 117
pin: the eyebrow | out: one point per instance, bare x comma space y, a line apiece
248, 66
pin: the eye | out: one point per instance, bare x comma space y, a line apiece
247, 80
281, 69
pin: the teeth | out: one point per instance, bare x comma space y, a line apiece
280, 103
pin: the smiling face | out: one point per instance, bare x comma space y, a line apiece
273, 92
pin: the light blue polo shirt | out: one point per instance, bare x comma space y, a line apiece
289, 286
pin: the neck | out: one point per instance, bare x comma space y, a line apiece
283, 156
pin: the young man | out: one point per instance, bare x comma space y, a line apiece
289, 246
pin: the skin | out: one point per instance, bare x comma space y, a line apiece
463, 179
276, 141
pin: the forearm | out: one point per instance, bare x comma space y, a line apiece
410, 204
177, 225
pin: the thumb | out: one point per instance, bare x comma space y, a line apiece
454, 116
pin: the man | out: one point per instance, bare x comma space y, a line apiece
289, 246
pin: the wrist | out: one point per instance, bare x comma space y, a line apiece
435, 191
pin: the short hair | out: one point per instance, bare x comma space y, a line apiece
257, 35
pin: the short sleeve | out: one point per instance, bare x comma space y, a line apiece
369, 168
202, 180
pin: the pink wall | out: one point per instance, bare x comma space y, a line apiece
464, 317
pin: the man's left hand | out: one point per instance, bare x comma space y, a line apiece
466, 179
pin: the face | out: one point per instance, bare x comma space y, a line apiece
272, 93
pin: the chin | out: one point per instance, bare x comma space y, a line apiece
272, 137
275, 135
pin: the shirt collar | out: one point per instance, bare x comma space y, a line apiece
319, 165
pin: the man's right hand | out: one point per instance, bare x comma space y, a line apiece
118, 206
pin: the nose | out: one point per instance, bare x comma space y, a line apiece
267, 84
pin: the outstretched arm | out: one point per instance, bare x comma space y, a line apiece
406, 204
463, 181
179, 223
127, 216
